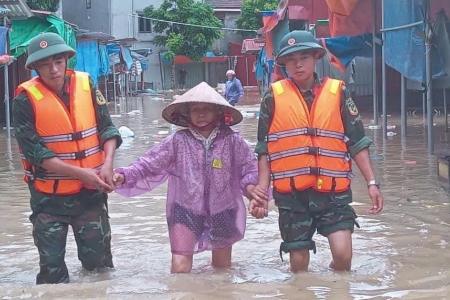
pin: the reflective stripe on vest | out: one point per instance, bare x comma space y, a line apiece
306, 131
312, 171
71, 133
52, 176
307, 147
71, 136
309, 150
75, 155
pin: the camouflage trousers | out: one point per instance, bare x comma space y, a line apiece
92, 234
298, 222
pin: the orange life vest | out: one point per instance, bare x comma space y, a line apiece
307, 149
72, 135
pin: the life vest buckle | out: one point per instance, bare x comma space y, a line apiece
76, 136
311, 131
313, 150
80, 154
314, 171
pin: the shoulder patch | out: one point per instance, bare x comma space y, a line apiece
99, 97
353, 110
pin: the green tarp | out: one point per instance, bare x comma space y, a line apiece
24, 30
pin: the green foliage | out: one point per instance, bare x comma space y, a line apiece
191, 41
48, 5
251, 17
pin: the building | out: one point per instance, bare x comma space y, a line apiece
228, 12
120, 18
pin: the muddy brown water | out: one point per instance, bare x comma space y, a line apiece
401, 253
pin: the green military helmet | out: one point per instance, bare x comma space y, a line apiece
296, 41
46, 45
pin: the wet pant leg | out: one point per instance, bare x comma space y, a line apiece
93, 236
50, 236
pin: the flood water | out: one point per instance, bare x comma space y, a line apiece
401, 253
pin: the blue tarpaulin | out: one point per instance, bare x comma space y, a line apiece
405, 49
88, 58
3, 31
104, 67
346, 48
124, 51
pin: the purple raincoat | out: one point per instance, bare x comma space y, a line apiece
207, 179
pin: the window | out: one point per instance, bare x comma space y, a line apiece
145, 25
298, 25
88, 4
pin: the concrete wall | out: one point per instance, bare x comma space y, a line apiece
95, 19
228, 36
118, 18
125, 24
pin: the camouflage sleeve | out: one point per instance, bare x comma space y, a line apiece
105, 126
27, 136
265, 118
353, 125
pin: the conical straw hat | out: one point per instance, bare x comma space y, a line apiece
178, 111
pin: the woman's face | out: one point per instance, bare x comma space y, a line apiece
203, 114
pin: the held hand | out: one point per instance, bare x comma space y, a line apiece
106, 174
259, 194
258, 210
377, 199
118, 179
91, 178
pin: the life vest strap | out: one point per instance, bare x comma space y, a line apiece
309, 150
312, 171
52, 176
76, 136
74, 155
80, 154
272, 137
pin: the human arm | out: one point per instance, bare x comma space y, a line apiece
109, 136
149, 171
358, 147
240, 88
259, 204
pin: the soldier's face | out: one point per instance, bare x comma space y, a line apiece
300, 65
52, 70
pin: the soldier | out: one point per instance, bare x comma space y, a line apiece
308, 132
67, 143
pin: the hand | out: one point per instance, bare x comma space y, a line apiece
377, 199
118, 179
106, 174
91, 178
258, 193
258, 210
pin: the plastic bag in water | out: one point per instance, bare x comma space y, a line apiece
125, 132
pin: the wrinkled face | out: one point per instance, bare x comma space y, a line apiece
203, 114
52, 70
230, 77
300, 65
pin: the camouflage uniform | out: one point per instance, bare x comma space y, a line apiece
302, 212
51, 215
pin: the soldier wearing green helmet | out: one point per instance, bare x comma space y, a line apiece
309, 130
67, 143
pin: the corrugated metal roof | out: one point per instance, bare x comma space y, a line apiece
94, 36
225, 3
18, 9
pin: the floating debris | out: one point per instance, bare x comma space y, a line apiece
125, 132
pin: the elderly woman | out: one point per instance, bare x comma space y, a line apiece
233, 89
